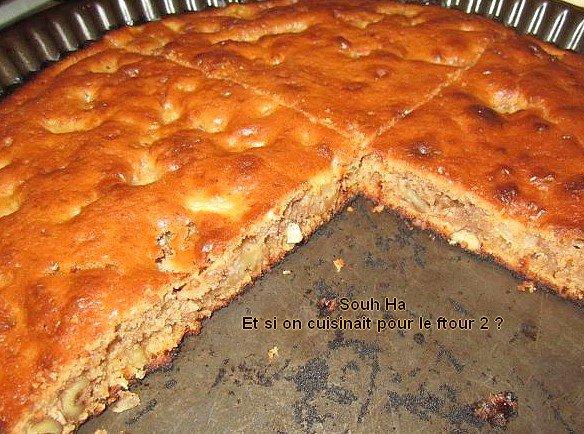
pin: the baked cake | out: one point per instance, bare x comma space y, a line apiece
146, 180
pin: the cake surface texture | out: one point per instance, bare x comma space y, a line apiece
147, 179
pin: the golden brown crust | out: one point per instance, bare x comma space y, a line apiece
131, 166
330, 59
152, 148
509, 131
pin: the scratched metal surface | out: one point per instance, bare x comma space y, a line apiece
223, 381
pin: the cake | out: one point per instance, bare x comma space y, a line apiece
147, 179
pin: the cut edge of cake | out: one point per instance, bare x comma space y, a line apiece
551, 256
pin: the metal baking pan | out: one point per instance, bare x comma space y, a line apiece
26, 47
325, 381
223, 380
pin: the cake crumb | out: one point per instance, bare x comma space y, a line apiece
273, 354
378, 208
293, 233
126, 401
286, 272
100, 431
339, 263
326, 306
498, 409
350, 209
527, 286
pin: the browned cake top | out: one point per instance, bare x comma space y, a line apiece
200, 124
510, 129
354, 65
